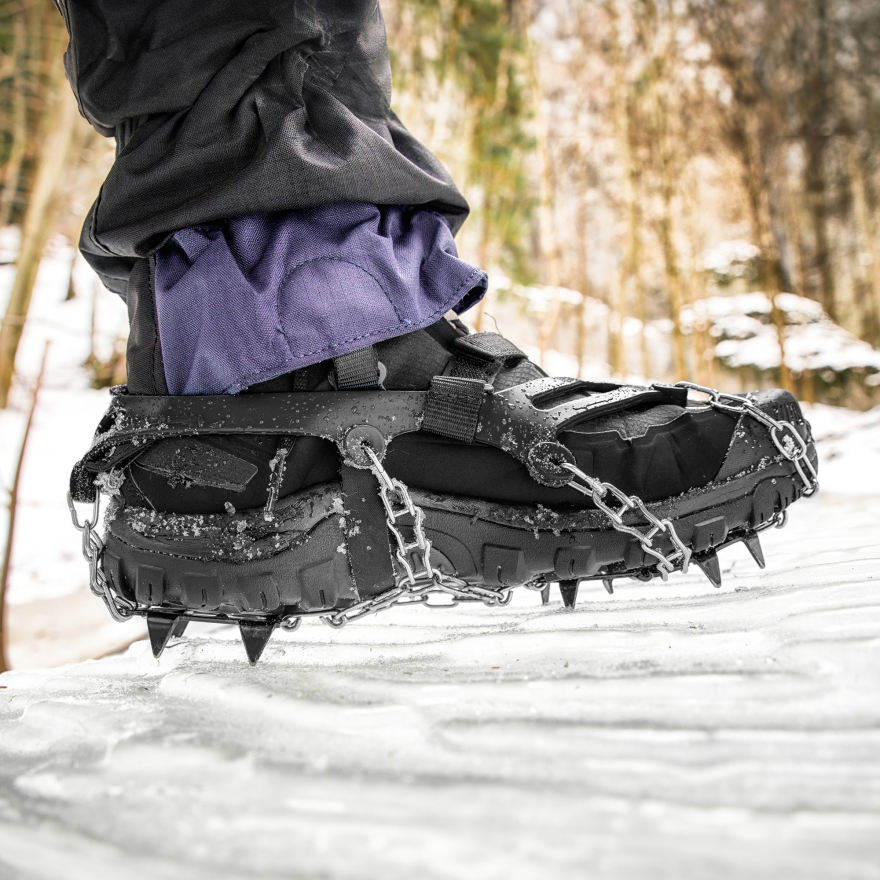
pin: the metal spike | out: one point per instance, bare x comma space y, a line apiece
608, 583
160, 628
179, 627
255, 634
545, 595
569, 591
710, 567
753, 545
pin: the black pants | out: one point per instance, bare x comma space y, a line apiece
229, 107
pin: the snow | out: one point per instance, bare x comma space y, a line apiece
666, 731
747, 337
731, 259
65, 420
660, 732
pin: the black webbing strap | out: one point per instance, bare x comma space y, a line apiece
453, 407
357, 369
366, 533
482, 356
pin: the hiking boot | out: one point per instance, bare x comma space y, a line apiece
440, 462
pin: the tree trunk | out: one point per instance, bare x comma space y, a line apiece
866, 224
662, 160
19, 132
754, 179
816, 142
548, 233
583, 281
694, 288
36, 227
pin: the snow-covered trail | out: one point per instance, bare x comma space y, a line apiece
672, 731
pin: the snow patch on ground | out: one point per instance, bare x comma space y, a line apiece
665, 731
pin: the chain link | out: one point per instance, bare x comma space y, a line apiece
598, 491
783, 433
418, 579
92, 551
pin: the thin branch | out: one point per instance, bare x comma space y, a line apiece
12, 506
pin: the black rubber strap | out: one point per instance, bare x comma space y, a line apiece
366, 533
515, 420
521, 418
197, 462
133, 422
453, 407
357, 369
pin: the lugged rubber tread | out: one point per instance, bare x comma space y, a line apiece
483, 543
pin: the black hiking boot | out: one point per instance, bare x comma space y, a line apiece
437, 462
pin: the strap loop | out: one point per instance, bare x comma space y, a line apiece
359, 369
453, 407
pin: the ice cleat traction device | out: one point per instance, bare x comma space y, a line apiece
465, 489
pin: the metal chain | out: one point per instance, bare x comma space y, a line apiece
598, 491
784, 435
417, 579
92, 550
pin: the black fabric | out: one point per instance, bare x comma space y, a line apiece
227, 108
366, 533
412, 361
668, 460
357, 369
453, 407
143, 357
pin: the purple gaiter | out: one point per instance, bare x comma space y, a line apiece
258, 296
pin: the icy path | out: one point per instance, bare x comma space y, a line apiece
692, 734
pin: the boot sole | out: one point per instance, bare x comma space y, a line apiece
241, 568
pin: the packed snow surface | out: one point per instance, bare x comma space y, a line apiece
668, 731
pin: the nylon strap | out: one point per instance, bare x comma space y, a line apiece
483, 355
453, 407
357, 369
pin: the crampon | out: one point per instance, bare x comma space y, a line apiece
490, 478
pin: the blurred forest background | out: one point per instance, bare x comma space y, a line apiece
664, 188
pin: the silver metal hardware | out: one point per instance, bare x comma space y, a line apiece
784, 435
92, 550
418, 579
598, 491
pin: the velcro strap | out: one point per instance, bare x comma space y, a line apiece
453, 407
357, 369
366, 533
482, 355
489, 347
